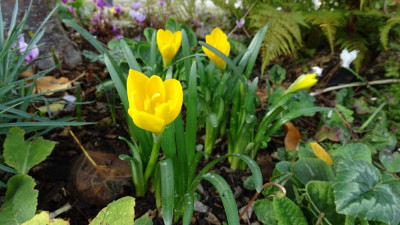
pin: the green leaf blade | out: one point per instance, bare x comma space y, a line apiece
287, 212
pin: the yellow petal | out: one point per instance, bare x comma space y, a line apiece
136, 82
174, 96
303, 82
168, 53
154, 87
218, 40
162, 112
177, 40
320, 152
147, 121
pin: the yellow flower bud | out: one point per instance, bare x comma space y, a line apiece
153, 104
305, 81
320, 152
168, 43
218, 40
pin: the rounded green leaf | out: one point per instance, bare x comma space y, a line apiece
321, 196
119, 212
264, 211
288, 213
360, 192
353, 151
312, 169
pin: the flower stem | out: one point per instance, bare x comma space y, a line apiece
153, 157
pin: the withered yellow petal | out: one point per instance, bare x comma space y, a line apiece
320, 152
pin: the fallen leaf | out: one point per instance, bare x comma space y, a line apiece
292, 137
320, 152
50, 83
54, 107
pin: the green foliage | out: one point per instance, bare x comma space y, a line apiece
322, 199
276, 74
384, 31
308, 169
360, 191
120, 212
20, 202
353, 151
44, 218
284, 34
264, 211
328, 21
23, 155
287, 212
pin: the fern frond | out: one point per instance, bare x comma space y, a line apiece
283, 35
384, 31
328, 21
354, 42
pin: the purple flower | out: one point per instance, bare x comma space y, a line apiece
32, 55
161, 2
118, 9
71, 9
69, 98
140, 17
102, 3
240, 23
117, 32
136, 6
64, 1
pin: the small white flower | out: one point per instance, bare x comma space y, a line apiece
317, 70
348, 57
279, 8
317, 4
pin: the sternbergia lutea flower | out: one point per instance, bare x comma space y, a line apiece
168, 43
153, 104
218, 40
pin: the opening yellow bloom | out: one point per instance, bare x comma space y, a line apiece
320, 152
168, 43
218, 40
153, 104
305, 81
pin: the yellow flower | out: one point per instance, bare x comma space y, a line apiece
153, 104
112, 10
320, 152
218, 40
305, 81
168, 43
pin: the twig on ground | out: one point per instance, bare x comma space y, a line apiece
63, 209
356, 84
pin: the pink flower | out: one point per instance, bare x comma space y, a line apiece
161, 2
32, 55
71, 9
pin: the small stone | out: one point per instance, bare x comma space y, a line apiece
200, 207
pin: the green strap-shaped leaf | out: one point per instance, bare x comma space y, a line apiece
254, 168
321, 196
133, 64
23, 155
288, 213
121, 212
225, 192
167, 190
20, 202
191, 116
360, 192
189, 206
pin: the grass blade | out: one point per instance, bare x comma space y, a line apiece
167, 190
